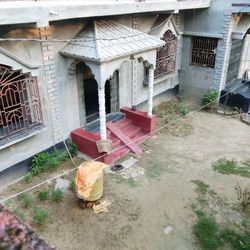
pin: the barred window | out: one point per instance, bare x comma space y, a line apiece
20, 108
204, 51
166, 56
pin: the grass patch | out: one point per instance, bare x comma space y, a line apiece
207, 233
225, 166
56, 195
40, 216
202, 187
43, 195
26, 200
211, 237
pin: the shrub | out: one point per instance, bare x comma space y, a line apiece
209, 98
43, 195
26, 200
243, 196
40, 216
57, 195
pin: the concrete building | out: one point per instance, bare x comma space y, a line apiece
65, 65
216, 48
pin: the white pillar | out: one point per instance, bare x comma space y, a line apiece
150, 90
102, 113
134, 83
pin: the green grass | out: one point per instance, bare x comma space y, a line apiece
211, 237
40, 216
202, 187
207, 233
56, 195
43, 195
225, 166
26, 200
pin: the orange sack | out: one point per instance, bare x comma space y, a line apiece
86, 176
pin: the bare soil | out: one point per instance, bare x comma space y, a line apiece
165, 196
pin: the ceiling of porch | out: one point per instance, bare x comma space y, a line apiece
105, 40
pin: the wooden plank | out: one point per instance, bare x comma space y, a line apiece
125, 139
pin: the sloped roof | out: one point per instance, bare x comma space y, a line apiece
104, 40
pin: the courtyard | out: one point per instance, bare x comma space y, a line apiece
159, 199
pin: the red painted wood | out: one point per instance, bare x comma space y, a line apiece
140, 119
125, 139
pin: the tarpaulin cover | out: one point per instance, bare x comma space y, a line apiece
86, 176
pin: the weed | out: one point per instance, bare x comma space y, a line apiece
209, 98
202, 187
243, 196
72, 185
72, 147
207, 233
43, 195
19, 214
57, 195
39, 216
200, 213
183, 110
224, 166
26, 200
29, 177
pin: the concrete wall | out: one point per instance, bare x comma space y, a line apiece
212, 22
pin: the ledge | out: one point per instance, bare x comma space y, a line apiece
24, 136
202, 34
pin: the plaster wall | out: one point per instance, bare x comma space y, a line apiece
212, 22
30, 52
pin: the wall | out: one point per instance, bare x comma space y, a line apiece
212, 22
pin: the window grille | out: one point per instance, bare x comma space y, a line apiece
204, 51
166, 56
20, 108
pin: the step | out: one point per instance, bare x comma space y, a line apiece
124, 138
123, 123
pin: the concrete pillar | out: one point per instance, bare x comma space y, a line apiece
134, 83
150, 90
102, 112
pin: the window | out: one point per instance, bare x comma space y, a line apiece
166, 56
204, 51
20, 109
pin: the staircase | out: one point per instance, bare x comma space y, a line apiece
126, 129
125, 137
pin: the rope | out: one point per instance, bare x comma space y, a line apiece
133, 141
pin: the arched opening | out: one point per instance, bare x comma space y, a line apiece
89, 93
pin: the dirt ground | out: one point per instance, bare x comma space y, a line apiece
164, 196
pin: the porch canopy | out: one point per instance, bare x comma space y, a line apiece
104, 45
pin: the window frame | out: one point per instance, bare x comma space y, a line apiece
20, 106
208, 47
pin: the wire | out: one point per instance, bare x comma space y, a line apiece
133, 141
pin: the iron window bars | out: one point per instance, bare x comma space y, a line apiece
204, 51
20, 107
166, 56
